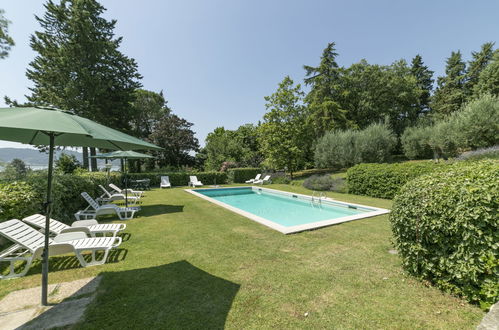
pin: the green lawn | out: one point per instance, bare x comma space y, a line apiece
191, 264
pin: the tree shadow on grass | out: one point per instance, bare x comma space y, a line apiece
158, 209
173, 296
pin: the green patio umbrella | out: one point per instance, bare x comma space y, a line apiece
123, 155
53, 127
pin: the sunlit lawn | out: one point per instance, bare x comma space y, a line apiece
191, 264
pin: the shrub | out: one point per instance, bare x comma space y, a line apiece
67, 163
385, 180
283, 179
483, 153
445, 226
477, 124
22, 198
346, 148
324, 183
181, 178
241, 175
415, 143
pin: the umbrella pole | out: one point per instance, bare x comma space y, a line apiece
126, 184
45, 255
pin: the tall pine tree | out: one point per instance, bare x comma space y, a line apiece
6, 41
488, 81
79, 65
480, 60
450, 93
325, 112
424, 78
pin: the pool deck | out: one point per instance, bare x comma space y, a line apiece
298, 228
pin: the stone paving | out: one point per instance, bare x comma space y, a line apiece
22, 310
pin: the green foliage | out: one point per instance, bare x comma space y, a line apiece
476, 125
424, 80
17, 200
79, 66
181, 178
445, 226
284, 138
23, 198
325, 113
15, 170
415, 142
450, 93
324, 183
479, 154
346, 148
238, 146
385, 180
371, 93
6, 41
67, 164
488, 81
175, 136
241, 175
479, 62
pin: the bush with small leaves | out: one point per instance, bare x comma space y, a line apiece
446, 229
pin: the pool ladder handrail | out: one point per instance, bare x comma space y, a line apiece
317, 200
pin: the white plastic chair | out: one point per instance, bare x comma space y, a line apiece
29, 243
266, 179
90, 227
131, 192
257, 177
165, 182
108, 197
93, 210
194, 182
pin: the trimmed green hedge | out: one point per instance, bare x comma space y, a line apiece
241, 175
19, 199
181, 178
446, 229
385, 180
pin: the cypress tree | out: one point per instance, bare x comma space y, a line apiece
6, 41
424, 78
480, 60
488, 81
450, 93
325, 111
79, 66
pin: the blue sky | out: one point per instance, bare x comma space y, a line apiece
216, 60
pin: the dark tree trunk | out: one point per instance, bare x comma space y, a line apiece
85, 158
93, 161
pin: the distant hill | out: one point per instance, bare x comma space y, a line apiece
35, 157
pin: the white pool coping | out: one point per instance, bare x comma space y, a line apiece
298, 228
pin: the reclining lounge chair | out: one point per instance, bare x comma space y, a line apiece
90, 227
28, 246
93, 210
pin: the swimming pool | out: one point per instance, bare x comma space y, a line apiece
283, 211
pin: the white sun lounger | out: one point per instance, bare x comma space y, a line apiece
193, 181
93, 210
90, 227
266, 179
257, 177
165, 182
28, 246
116, 189
108, 197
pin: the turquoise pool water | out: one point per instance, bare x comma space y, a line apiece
283, 209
